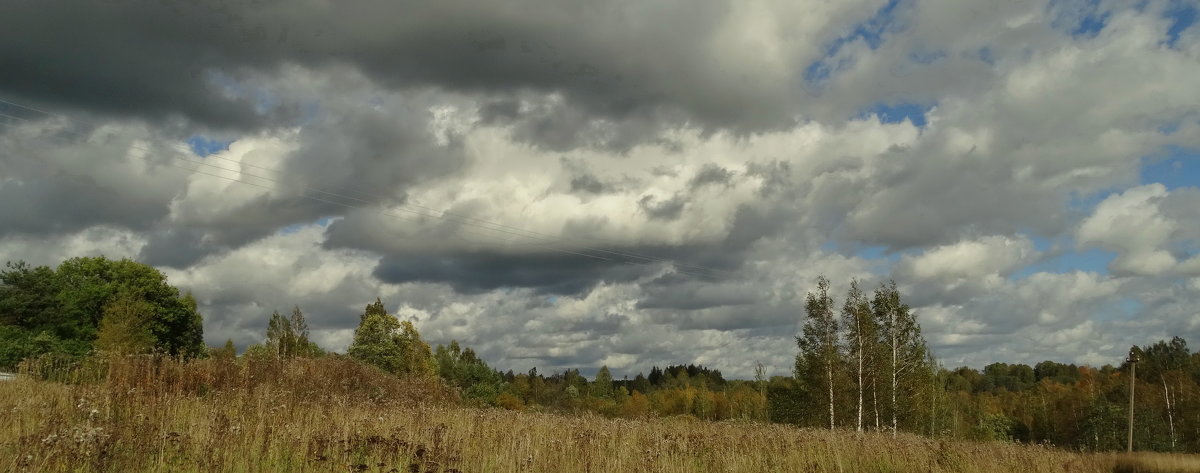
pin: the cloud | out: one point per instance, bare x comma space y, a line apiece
625, 61
1146, 226
713, 158
566, 273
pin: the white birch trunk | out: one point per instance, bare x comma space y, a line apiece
829, 373
1170, 415
858, 425
875, 399
895, 367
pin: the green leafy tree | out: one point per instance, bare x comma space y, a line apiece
862, 340
125, 326
901, 337
28, 297
819, 350
225, 352
279, 334
602, 386
69, 301
394, 346
464, 369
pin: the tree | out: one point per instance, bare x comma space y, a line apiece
463, 369
394, 346
69, 302
819, 344
225, 352
28, 297
602, 386
125, 326
901, 336
862, 332
301, 346
279, 334
1166, 363
288, 337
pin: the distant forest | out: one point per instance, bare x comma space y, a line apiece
860, 365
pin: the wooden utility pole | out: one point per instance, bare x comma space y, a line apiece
1133, 360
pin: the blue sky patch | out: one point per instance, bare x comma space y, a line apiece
1093, 260
1182, 16
1082, 19
293, 228
1090, 25
1177, 167
871, 31
985, 55
926, 57
203, 146
878, 252
899, 112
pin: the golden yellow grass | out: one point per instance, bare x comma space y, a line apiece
143, 414
1156, 463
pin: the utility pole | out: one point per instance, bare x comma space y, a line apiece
1133, 361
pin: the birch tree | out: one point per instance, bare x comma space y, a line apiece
901, 336
862, 332
819, 351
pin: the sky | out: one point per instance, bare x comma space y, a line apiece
623, 183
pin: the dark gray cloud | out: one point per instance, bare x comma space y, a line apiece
174, 247
679, 130
669, 209
161, 59
63, 180
587, 183
682, 292
711, 174
547, 273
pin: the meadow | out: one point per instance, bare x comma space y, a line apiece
144, 413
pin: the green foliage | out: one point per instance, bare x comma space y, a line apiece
69, 303
17, 344
785, 401
125, 326
602, 387
994, 427
820, 353
394, 346
258, 352
463, 369
225, 352
288, 337
28, 297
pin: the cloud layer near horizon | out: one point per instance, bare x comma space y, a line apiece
570, 184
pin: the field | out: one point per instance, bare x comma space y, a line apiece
148, 414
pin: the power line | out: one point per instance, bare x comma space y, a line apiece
442, 214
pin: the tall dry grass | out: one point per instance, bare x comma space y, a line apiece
1156, 463
153, 414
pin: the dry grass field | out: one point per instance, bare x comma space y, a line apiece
146, 414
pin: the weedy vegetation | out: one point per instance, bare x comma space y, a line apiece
152, 413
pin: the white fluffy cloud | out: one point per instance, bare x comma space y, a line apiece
1145, 225
520, 189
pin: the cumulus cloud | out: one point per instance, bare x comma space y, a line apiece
1146, 225
632, 184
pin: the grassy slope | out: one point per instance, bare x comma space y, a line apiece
335, 416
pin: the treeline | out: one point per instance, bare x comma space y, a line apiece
861, 364
93, 303
864, 365
395, 346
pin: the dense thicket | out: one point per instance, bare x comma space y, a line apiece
94, 302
